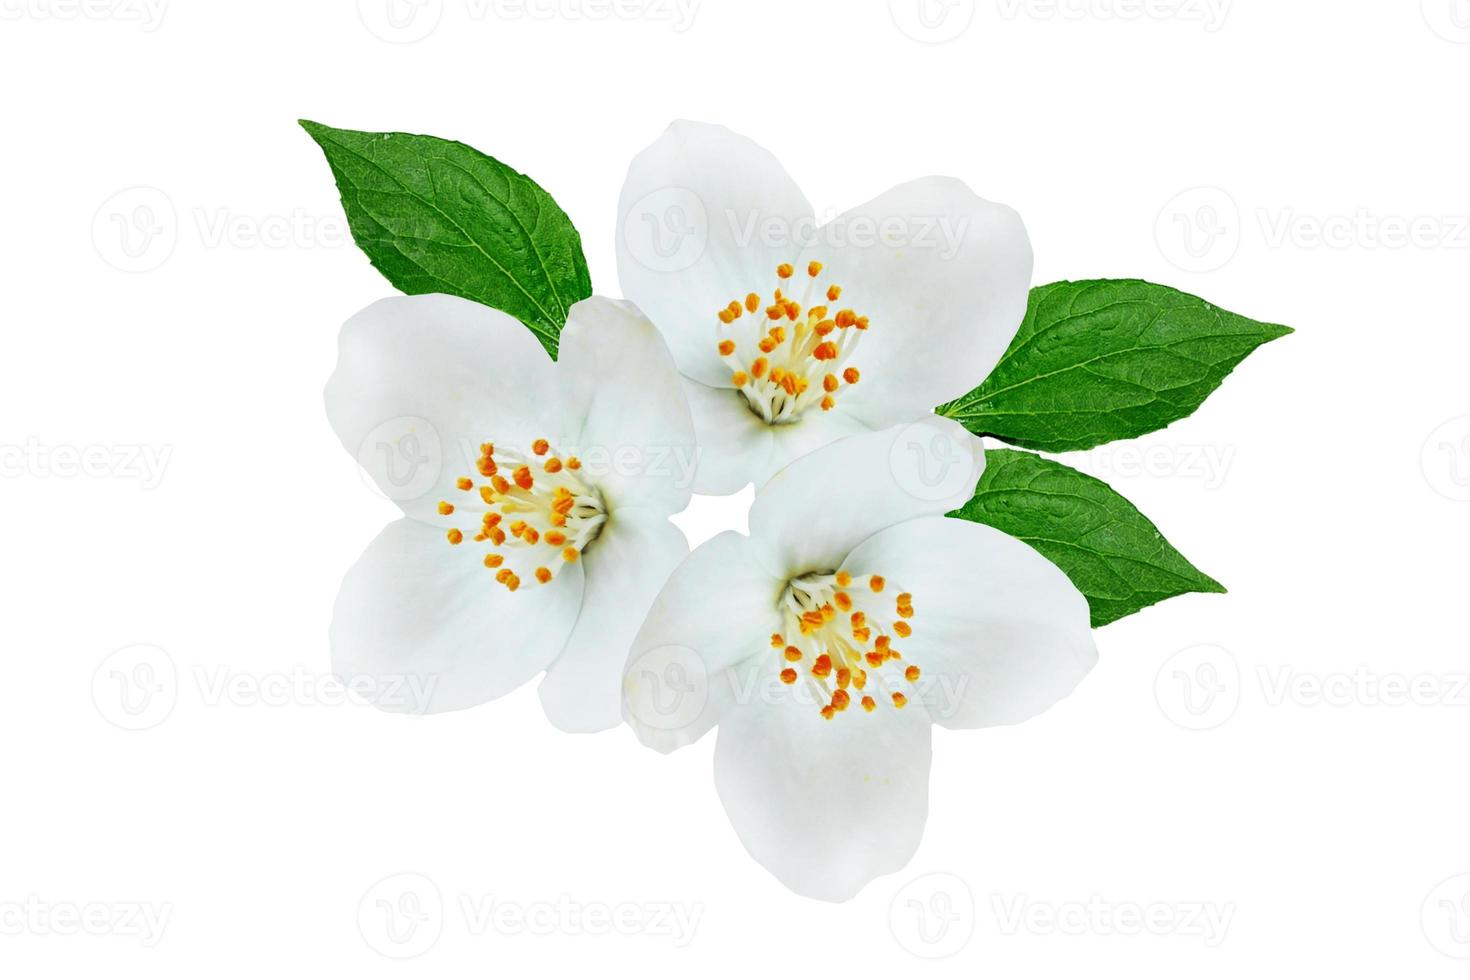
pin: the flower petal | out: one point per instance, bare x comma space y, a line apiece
625, 413
734, 444
814, 430
943, 276
418, 615
825, 806
999, 632
624, 568
421, 381
815, 511
689, 238
687, 666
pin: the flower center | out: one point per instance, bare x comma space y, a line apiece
838, 627
535, 506
790, 355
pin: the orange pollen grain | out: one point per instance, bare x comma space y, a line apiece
788, 676
911, 674
455, 535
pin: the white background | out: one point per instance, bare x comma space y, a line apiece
1326, 484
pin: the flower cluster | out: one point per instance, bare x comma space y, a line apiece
536, 536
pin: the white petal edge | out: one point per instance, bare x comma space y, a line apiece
422, 626
825, 806
691, 234
944, 277
690, 661
999, 633
624, 569
421, 381
816, 510
625, 413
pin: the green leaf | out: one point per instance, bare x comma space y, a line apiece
436, 216
1107, 359
1111, 552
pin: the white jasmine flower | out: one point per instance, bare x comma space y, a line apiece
790, 334
826, 644
542, 535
